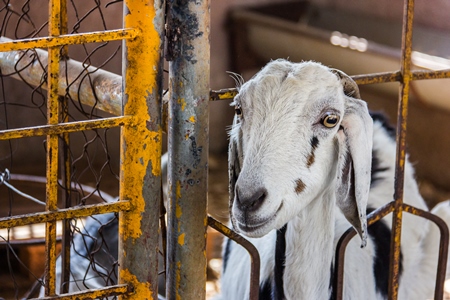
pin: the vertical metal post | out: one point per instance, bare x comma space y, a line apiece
52, 146
140, 177
188, 52
402, 115
65, 167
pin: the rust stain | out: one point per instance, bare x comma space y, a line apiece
178, 281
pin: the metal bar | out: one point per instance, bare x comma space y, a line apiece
402, 114
443, 246
66, 167
65, 127
72, 212
88, 85
421, 74
338, 278
224, 94
109, 291
52, 148
68, 39
377, 77
140, 177
251, 249
188, 51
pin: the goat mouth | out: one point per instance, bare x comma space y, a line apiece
249, 226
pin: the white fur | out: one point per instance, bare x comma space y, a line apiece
269, 147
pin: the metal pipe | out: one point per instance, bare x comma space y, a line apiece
9, 134
73, 212
252, 251
54, 26
140, 176
188, 52
402, 115
88, 85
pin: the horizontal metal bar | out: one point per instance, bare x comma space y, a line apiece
397, 76
422, 74
68, 39
224, 94
116, 290
377, 77
64, 128
67, 213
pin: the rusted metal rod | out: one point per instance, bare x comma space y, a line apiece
251, 249
402, 115
187, 32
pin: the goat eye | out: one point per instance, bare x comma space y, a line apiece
238, 110
330, 120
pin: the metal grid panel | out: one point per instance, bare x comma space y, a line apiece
139, 119
404, 76
132, 124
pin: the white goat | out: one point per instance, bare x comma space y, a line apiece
306, 160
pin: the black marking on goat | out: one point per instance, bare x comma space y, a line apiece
299, 186
381, 237
331, 282
311, 157
384, 121
226, 254
265, 290
376, 169
280, 260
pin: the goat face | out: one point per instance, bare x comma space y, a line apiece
298, 133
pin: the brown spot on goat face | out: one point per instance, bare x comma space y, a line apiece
299, 186
311, 157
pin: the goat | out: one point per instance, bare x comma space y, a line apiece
306, 162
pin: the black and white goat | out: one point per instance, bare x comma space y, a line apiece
306, 162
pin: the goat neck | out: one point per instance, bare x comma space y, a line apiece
307, 272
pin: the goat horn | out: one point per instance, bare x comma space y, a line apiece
350, 87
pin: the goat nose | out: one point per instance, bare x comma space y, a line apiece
250, 201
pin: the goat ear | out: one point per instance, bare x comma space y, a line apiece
234, 162
355, 160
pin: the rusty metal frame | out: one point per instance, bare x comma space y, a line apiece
404, 76
141, 139
137, 109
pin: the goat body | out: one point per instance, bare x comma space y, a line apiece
306, 162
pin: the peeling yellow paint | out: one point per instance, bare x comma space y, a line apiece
192, 119
181, 239
182, 102
178, 211
141, 146
178, 192
142, 290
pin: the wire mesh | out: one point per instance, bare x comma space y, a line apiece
89, 89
